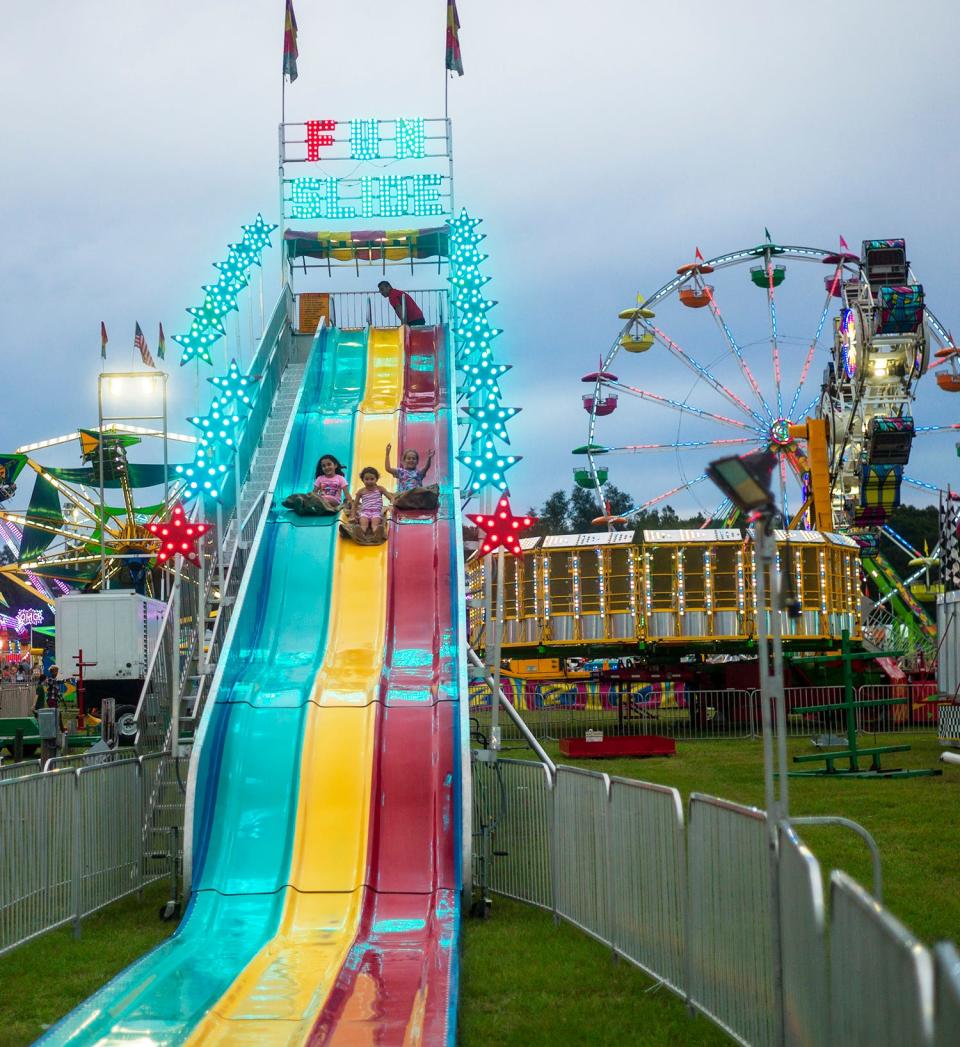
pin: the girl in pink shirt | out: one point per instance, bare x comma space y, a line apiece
330, 486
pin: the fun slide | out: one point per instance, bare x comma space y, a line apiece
324, 804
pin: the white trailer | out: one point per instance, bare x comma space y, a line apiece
117, 629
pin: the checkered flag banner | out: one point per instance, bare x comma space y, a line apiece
949, 542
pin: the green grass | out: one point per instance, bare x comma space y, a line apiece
913, 819
44, 979
527, 982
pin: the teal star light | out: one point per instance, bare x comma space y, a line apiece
234, 385
489, 419
218, 426
196, 343
257, 235
210, 313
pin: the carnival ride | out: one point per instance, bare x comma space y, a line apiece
65, 535
842, 449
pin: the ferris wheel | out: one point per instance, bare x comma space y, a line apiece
846, 339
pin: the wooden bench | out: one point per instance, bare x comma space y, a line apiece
848, 754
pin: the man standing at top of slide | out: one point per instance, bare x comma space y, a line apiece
403, 305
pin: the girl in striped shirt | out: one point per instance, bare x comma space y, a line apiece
368, 501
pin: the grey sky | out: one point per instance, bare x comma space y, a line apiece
601, 143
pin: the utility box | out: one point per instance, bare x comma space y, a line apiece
118, 629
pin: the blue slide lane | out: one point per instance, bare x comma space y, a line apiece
249, 765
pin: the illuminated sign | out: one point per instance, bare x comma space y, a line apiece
384, 196
849, 336
401, 139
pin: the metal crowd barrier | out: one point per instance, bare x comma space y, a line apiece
731, 971
803, 943
693, 906
76, 839
881, 977
16, 699
19, 770
703, 715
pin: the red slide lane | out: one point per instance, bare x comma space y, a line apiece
396, 982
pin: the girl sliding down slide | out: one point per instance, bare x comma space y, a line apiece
368, 522
411, 494
329, 494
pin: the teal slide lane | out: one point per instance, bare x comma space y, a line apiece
249, 764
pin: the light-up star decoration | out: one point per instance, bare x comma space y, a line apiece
503, 528
484, 377
211, 311
196, 343
217, 425
489, 419
202, 474
178, 536
233, 385
257, 234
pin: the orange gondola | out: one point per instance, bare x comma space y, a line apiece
949, 382
696, 297
694, 267
947, 350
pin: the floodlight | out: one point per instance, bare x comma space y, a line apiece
745, 479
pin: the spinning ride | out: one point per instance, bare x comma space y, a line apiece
62, 535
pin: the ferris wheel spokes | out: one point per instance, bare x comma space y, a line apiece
814, 343
683, 408
738, 353
677, 445
701, 371
666, 494
774, 347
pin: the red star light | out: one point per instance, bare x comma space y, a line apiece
503, 528
178, 535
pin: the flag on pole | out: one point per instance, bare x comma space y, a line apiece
161, 345
699, 256
454, 58
767, 231
103, 340
290, 51
139, 342
844, 245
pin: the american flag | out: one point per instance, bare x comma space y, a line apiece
139, 342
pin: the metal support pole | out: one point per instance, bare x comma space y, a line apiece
496, 643
103, 519
201, 626
764, 565
220, 552
175, 665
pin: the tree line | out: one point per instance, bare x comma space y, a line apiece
575, 512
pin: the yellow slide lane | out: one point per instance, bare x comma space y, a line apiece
278, 996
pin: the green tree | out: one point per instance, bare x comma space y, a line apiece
553, 517
618, 501
583, 510
917, 526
